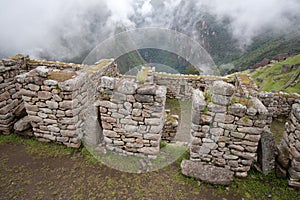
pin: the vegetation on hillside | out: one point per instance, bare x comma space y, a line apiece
272, 78
267, 46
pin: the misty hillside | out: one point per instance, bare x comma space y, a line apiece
237, 32
281, 76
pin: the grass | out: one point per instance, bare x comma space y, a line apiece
35, 147
274, 80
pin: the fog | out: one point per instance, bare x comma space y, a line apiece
62, 30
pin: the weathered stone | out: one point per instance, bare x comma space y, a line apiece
50, 121
244, 121
50, 82
250, 130
223, 118
52, 104
296, 111
126, 86
216, 108
223, 88
204, 150
118, 97
251, 111
44, 95
69, 120
154, 121
68, 133
64, 105
207, 173
110, 134
252, 138
144, 98
230, 127
27, 93
23, 124
259, 106
147, 90
33, 87
199, 103
35, 119
293, 174
42, 71
217, 131
237, 110
246, 155
205, 119
108, 82
53, 129
221, 100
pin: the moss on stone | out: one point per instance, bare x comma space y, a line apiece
61, 76
99, 66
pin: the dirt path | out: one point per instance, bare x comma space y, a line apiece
31, 176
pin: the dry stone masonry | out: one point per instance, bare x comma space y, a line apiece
132, 114
226, 130
73, 104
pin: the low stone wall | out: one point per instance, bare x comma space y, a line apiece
181, 86
226, 129
10, 103
170, 126
278, 104
132, 115
50, 97
288, 159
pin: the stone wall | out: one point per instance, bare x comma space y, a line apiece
48, 99
181, 86
226, 129
278, 104
288, 159
56, 99
10, 103
170, 127
132, 115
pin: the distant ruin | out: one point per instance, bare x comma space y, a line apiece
230, 126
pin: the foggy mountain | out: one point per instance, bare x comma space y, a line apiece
67, 30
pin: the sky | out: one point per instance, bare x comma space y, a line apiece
65, 29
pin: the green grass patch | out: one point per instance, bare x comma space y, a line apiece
258, 186
35, 147
274, 80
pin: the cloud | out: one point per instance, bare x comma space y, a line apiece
66, 29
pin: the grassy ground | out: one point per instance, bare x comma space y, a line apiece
33, 170
273, 79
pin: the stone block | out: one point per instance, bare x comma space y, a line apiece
144, 98
126, 86
221, 100
22, 124
44, 95
4, 96
296, 111
216, 108
147, 90
237, 110
207, 173
199, 103
108, 82
223, 88
250, 130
